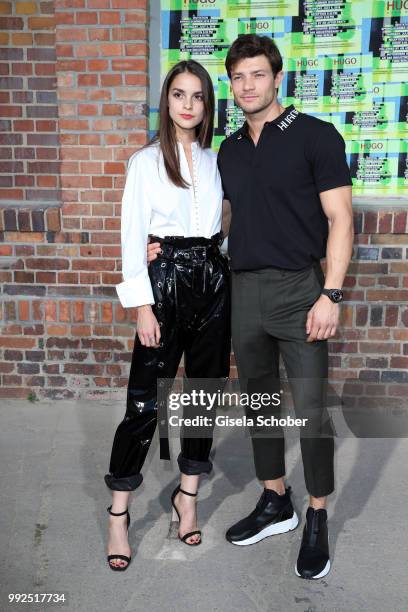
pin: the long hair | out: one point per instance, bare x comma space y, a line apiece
166, 132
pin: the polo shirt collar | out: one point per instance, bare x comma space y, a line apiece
243, 131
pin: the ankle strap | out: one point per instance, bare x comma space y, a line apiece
116, 513
187, 493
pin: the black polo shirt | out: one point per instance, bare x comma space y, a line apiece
273, 187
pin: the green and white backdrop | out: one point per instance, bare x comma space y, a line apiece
345, 61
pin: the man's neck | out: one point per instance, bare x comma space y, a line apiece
256, 121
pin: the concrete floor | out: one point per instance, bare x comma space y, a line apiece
53, 523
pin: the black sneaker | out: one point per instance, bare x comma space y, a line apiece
313, 560
273, 514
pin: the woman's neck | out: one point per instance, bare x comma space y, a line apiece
186, 137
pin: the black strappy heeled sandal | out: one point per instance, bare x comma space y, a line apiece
119, 568
191, 533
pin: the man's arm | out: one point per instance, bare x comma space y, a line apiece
336, 204
323, 317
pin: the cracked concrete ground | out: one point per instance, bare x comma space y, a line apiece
53, 523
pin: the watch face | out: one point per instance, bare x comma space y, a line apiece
336, 295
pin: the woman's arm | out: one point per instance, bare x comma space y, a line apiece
136, 289
226, 217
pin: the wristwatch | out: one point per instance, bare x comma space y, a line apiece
336, 295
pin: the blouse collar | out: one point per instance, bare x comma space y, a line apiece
195, 143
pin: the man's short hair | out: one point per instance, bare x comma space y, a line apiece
251, 45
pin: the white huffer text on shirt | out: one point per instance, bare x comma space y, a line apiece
152, 204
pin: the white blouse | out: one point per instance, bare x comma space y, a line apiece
152, 204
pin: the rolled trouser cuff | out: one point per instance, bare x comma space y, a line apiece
127, 483
190, 467
323, 492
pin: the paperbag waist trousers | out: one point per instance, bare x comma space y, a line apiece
191, 287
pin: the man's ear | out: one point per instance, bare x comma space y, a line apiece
279, 78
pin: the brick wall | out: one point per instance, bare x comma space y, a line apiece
29, 160
62, 345
64, 333
369, 356
78, 69
373, 341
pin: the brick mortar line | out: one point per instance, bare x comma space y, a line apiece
71, 10
97, 26
96, 43
5, 298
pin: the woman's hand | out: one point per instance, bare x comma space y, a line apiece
147, 327
153, 249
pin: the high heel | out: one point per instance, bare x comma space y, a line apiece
178, 489
119, 568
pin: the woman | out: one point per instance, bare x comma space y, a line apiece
173, 194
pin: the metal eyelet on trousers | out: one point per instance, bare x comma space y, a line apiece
159, 284
187, 255
160, 364
163, 265
160, 323
159, 304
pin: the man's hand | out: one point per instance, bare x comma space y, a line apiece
153, 249
147, 327
322, 319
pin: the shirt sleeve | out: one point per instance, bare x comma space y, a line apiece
136, 289
219, 163
329, 163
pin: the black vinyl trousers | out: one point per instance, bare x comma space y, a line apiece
191, 288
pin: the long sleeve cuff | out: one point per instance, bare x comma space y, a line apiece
135, 292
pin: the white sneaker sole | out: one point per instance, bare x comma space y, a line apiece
274, 529
324, 571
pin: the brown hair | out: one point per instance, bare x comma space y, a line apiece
251, 45
166, 133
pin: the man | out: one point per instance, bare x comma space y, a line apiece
286, 178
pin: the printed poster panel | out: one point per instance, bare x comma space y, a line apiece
345, 61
